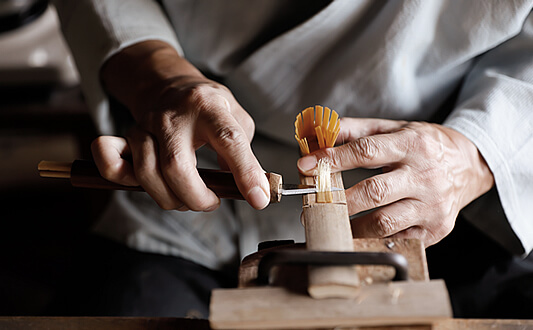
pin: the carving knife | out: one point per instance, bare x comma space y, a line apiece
84, 174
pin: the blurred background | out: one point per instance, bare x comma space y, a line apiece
42, 117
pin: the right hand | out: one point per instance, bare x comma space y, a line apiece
177, 111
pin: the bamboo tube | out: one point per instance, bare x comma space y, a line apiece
326, 219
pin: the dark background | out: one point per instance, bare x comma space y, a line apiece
44, 222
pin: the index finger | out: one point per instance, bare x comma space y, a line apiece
352, 129
230, 142
367, 152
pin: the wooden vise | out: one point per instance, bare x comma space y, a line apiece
332, 280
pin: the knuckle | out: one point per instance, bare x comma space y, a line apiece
376, 190
425, 140
383, 224
415, 140
248, 125
198, 94
206, 96
177, 101
364, 149
229, 136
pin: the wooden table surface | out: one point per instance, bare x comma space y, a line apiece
163, 323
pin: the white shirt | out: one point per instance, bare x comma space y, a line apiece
396, 59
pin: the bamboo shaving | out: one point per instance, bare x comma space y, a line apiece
323, 182
316, 128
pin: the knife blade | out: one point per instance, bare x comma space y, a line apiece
290, 189
85, 174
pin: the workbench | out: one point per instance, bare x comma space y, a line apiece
163, 323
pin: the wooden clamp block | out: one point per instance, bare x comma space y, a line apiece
383, 304
345, 300
379, 302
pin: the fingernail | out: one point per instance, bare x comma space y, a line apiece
302, 219
184, 208
307, 163
258, 197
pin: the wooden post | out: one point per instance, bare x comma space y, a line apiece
327, 228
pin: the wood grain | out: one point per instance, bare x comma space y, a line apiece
174, 323
102, 323
412, 249
293, 277
275, 181
395, 303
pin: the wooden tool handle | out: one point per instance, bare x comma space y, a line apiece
85, 174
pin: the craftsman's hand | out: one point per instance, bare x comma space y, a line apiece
430, 172
178, 110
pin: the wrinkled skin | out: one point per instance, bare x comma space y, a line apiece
430, 172
177, 111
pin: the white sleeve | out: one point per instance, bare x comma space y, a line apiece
495, 111
95, 30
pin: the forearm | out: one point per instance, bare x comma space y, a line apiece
494, 112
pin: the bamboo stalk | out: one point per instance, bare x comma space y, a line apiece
327, 228
325, 214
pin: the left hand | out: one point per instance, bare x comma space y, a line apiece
430, 172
